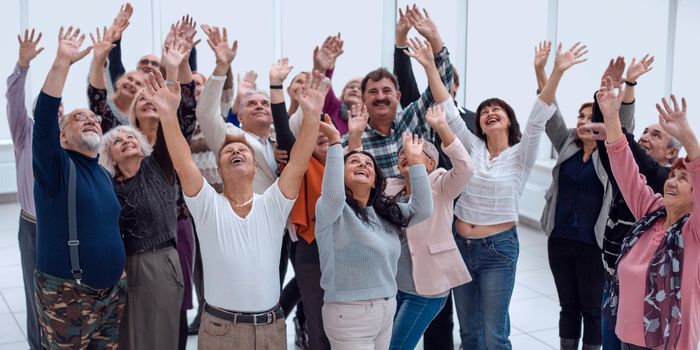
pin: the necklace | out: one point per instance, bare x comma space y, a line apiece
239, 205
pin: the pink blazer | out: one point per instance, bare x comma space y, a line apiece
437, 264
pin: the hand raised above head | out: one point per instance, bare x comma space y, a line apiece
358, 117
614, 70
403, 26
412, 147
328, 53
69, 43
312, 95
423, 24
102, 45
608, 101
542, 51
329, 130
279, 71
165, 97
637, 69
120, 23
218, 42
422, 51
674, 120
569, 58
247, 84
436, 118
175, 53
28, 49
594, 131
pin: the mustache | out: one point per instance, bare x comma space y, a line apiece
381, 102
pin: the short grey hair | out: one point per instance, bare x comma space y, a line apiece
106, 159
250, 94
674, 143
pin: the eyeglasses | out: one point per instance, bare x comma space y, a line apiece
146, 62
424, 152
81, 117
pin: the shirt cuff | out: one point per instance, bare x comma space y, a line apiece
618, 146
218, 77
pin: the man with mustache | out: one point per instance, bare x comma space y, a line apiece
380, 95
80, 278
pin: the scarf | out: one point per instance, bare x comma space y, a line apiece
662, 300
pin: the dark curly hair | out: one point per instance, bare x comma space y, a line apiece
385, 206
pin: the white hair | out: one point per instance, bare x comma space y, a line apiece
106, 159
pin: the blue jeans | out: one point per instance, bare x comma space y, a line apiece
610, 339
413, 315
482, 304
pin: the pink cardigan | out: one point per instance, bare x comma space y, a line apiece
632, 269
437, 264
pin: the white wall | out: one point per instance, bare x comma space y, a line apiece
491, 44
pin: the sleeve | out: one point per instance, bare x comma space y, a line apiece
458, 126
115, 66
403, 70
47, 155
420, 206
654, 172
454, 181
332, 103
275, 200
694, 172
193, 59
280, 119
330, 204
530, 141
226, 101
162, 157
208, 113
202, 207
413, 117
17, 116
556, 130
627, 116
639, 197
597, 117
97, 99
469, 118
186, 113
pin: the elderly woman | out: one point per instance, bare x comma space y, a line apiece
658, 270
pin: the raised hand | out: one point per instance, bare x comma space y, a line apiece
102, 45
358, 117
542, 51
594, 131
436, 118
313, 94
174, 54
403, 26
412, 148
165, 97
637, 69
279, 71
608, 101
328, 129
187, 27
28, 48
567, 59
120, 23
674, 120
614, 70
218, 41
326, 55
425, 27
247, 84
69, 43
421, 51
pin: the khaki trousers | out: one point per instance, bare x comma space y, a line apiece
219, 334
359, 325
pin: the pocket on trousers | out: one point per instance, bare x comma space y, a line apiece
352, 312
505, 250
216, 328
172, 270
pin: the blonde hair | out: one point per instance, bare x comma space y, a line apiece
106, 159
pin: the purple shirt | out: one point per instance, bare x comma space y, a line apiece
21, 130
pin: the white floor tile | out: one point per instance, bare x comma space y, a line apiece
521, 292
526, 342
549, 337
10, 276
540, 280
534, 314
21, 318
528, 261
9, 330
9, 256
15, 346
15, 298
4, 309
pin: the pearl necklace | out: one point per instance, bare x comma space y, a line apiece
240, 205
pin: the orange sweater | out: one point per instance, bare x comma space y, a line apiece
303, 215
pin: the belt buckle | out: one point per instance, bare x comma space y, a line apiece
255, 319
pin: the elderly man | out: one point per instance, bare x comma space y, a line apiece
80, 279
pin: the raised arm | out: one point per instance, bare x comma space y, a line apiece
166, 99
17, 116
357, 123
208, 110
310, 99
280, 118
634, 71
324, 59
115, 31
174, 56
402, 63
187, 29
555, 128
420, 206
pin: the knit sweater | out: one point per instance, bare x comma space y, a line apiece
359, 261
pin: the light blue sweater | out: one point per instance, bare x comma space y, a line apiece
359, 261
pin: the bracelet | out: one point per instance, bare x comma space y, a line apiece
278, 87
629, 83
170, 82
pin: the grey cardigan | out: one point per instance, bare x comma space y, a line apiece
564, 142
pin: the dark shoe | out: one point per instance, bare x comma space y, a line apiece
568, 344
301, 338
591, 347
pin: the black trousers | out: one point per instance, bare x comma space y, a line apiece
578, 274
308, 277
438, 336
626, 346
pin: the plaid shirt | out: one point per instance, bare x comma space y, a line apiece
385, 148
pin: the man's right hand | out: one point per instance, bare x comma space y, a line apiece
279, 71
28, 48
69, 43
218, 42
121, 22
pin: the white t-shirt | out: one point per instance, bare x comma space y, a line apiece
240, 256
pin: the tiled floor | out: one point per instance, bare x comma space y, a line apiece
534, 308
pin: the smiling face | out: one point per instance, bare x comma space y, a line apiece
359, 171
352, 94
585, 116
493, 119
297, 83
678, 190
143, 112
655, 141
381, 99
81, 131
130, 84
236, 161
125, 146
255, 113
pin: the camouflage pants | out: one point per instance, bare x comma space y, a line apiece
76, 316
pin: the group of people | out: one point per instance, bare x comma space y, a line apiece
389, 202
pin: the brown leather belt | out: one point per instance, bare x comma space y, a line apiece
266, 317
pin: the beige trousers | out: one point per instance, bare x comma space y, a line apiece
359, 325
220, 334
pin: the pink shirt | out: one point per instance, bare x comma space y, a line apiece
632, 269
436, 262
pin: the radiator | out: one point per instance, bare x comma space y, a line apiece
8, 180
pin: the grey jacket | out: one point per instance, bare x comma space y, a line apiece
564, 142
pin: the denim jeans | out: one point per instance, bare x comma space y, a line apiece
413, 315
610, 339
482, 304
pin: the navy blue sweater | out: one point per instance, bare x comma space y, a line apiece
101, 249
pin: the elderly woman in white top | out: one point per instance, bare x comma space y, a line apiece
487, 210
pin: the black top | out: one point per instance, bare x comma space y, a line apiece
116, 69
